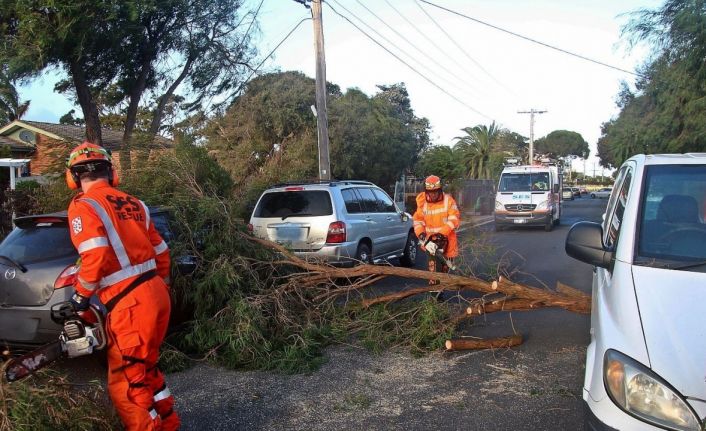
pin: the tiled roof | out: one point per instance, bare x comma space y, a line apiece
16, 146
112, 139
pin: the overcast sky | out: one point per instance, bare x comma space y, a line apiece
492, 74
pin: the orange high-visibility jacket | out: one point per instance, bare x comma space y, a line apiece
116, 240
441, 217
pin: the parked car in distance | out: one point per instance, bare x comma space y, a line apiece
602, 193
576, 192
645, 365
567, 194
583, 190
340, 222
38, 269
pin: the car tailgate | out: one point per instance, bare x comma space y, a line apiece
34, 287
299, 234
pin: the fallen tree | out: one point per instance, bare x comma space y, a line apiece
499, 295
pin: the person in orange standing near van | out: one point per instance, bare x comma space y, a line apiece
436, 219
125, 262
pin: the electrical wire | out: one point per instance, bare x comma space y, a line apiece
460, 48
434, 60
256, 69
529, 39
407, 64
428, 39
410, 56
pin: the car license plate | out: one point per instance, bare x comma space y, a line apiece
520, 220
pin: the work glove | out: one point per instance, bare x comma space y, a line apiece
80, 302
431, 247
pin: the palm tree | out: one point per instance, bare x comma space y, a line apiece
476, 147
10, 107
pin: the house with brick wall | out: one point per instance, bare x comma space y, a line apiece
47, 145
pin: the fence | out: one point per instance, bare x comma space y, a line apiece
474, 197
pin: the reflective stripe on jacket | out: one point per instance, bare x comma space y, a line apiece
441, 217
116, 239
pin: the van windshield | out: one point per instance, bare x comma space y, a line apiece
305, 203
524, 182
672, 225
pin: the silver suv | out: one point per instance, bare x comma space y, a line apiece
340, 222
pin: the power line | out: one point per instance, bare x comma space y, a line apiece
401, 36
408, 65
428, 39
529, 39
257, 68
412, 57
460, 48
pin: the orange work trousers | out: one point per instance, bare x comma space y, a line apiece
136, 328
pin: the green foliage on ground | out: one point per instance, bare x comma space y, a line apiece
48, 401
419, 326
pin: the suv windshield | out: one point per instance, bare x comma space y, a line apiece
522, 182
37, 243
305, 203
672, 225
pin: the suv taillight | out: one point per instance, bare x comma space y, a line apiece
336, 233
67, 277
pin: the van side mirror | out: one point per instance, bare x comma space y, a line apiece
404, 216
585, 243
555, 188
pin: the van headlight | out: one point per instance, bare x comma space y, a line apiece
499, 206
643, 394
542, 205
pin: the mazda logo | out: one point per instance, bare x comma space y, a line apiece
10, 274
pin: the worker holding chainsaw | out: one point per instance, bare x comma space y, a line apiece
125, 262
435, 222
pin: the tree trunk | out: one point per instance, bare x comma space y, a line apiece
131, 114
88, 105
493, 343
159, 110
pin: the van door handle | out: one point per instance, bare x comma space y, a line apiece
368, 219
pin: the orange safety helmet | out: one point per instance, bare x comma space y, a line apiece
86, 158
432, 183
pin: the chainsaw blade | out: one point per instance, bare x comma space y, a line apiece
27, 364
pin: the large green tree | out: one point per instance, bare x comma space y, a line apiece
440, 160
11, 108
563, 143
269, 133
667, 110
476, 148
134, 46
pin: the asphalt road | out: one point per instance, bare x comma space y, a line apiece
536, 386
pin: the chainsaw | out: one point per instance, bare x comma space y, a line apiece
82, 334
434, 246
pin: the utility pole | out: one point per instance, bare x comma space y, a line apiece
321, 113
531, 146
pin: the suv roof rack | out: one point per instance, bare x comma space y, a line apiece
331, 183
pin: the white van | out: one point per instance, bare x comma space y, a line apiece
646, 362
528, 195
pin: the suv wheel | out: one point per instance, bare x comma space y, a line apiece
409, 258
362, 254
